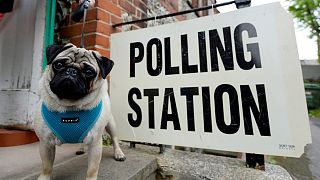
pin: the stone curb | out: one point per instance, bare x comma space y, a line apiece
145, 162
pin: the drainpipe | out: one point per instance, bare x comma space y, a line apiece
49, 32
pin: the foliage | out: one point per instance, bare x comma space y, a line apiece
315, 113
307, 12
106, 140
317, 81
272, 160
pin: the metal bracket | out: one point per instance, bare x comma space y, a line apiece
242, 3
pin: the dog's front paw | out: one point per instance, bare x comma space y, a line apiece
44, 177
118, 155
91, 178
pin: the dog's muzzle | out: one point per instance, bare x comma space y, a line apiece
69, 84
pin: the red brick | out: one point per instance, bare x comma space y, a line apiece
103, 15
90, 27
140, 24
145, 2
92, 40
89, 40
144, 15
127, 6
109, 6
115, 20
103, 28
92, 14
171, 6
138, 13
116, 30
134, 27
140, 5
102, 51
102, 41
76, 29
107, 53
195, 3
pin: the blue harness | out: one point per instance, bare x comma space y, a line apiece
71, 126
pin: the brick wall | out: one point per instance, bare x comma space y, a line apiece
100, 19
97, 27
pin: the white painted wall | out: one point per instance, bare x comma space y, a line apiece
21, 52
16, 47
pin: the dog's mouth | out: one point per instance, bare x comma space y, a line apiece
69, 87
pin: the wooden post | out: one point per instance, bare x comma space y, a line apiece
132, 145
255, 161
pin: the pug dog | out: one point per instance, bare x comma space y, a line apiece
74, 90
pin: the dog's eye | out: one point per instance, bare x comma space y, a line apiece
57, 66
89, 72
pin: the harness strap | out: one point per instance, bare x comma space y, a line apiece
71, 126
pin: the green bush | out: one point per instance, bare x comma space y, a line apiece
314, 113
106, 140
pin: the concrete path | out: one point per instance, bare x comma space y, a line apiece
18, 161
23, 162
137, 166
142, 163
313, 150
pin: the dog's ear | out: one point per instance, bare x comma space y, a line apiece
105, 64
53, 50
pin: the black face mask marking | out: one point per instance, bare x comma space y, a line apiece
70, 82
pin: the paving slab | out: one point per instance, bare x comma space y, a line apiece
137, 166
19, 161
188, 165
142, 163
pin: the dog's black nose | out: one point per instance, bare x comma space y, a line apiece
71, 71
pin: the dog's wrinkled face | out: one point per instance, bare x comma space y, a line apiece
75, 70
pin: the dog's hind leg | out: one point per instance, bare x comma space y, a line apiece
47, 154
94, 158
111, 130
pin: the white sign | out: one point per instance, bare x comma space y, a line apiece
229, 82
